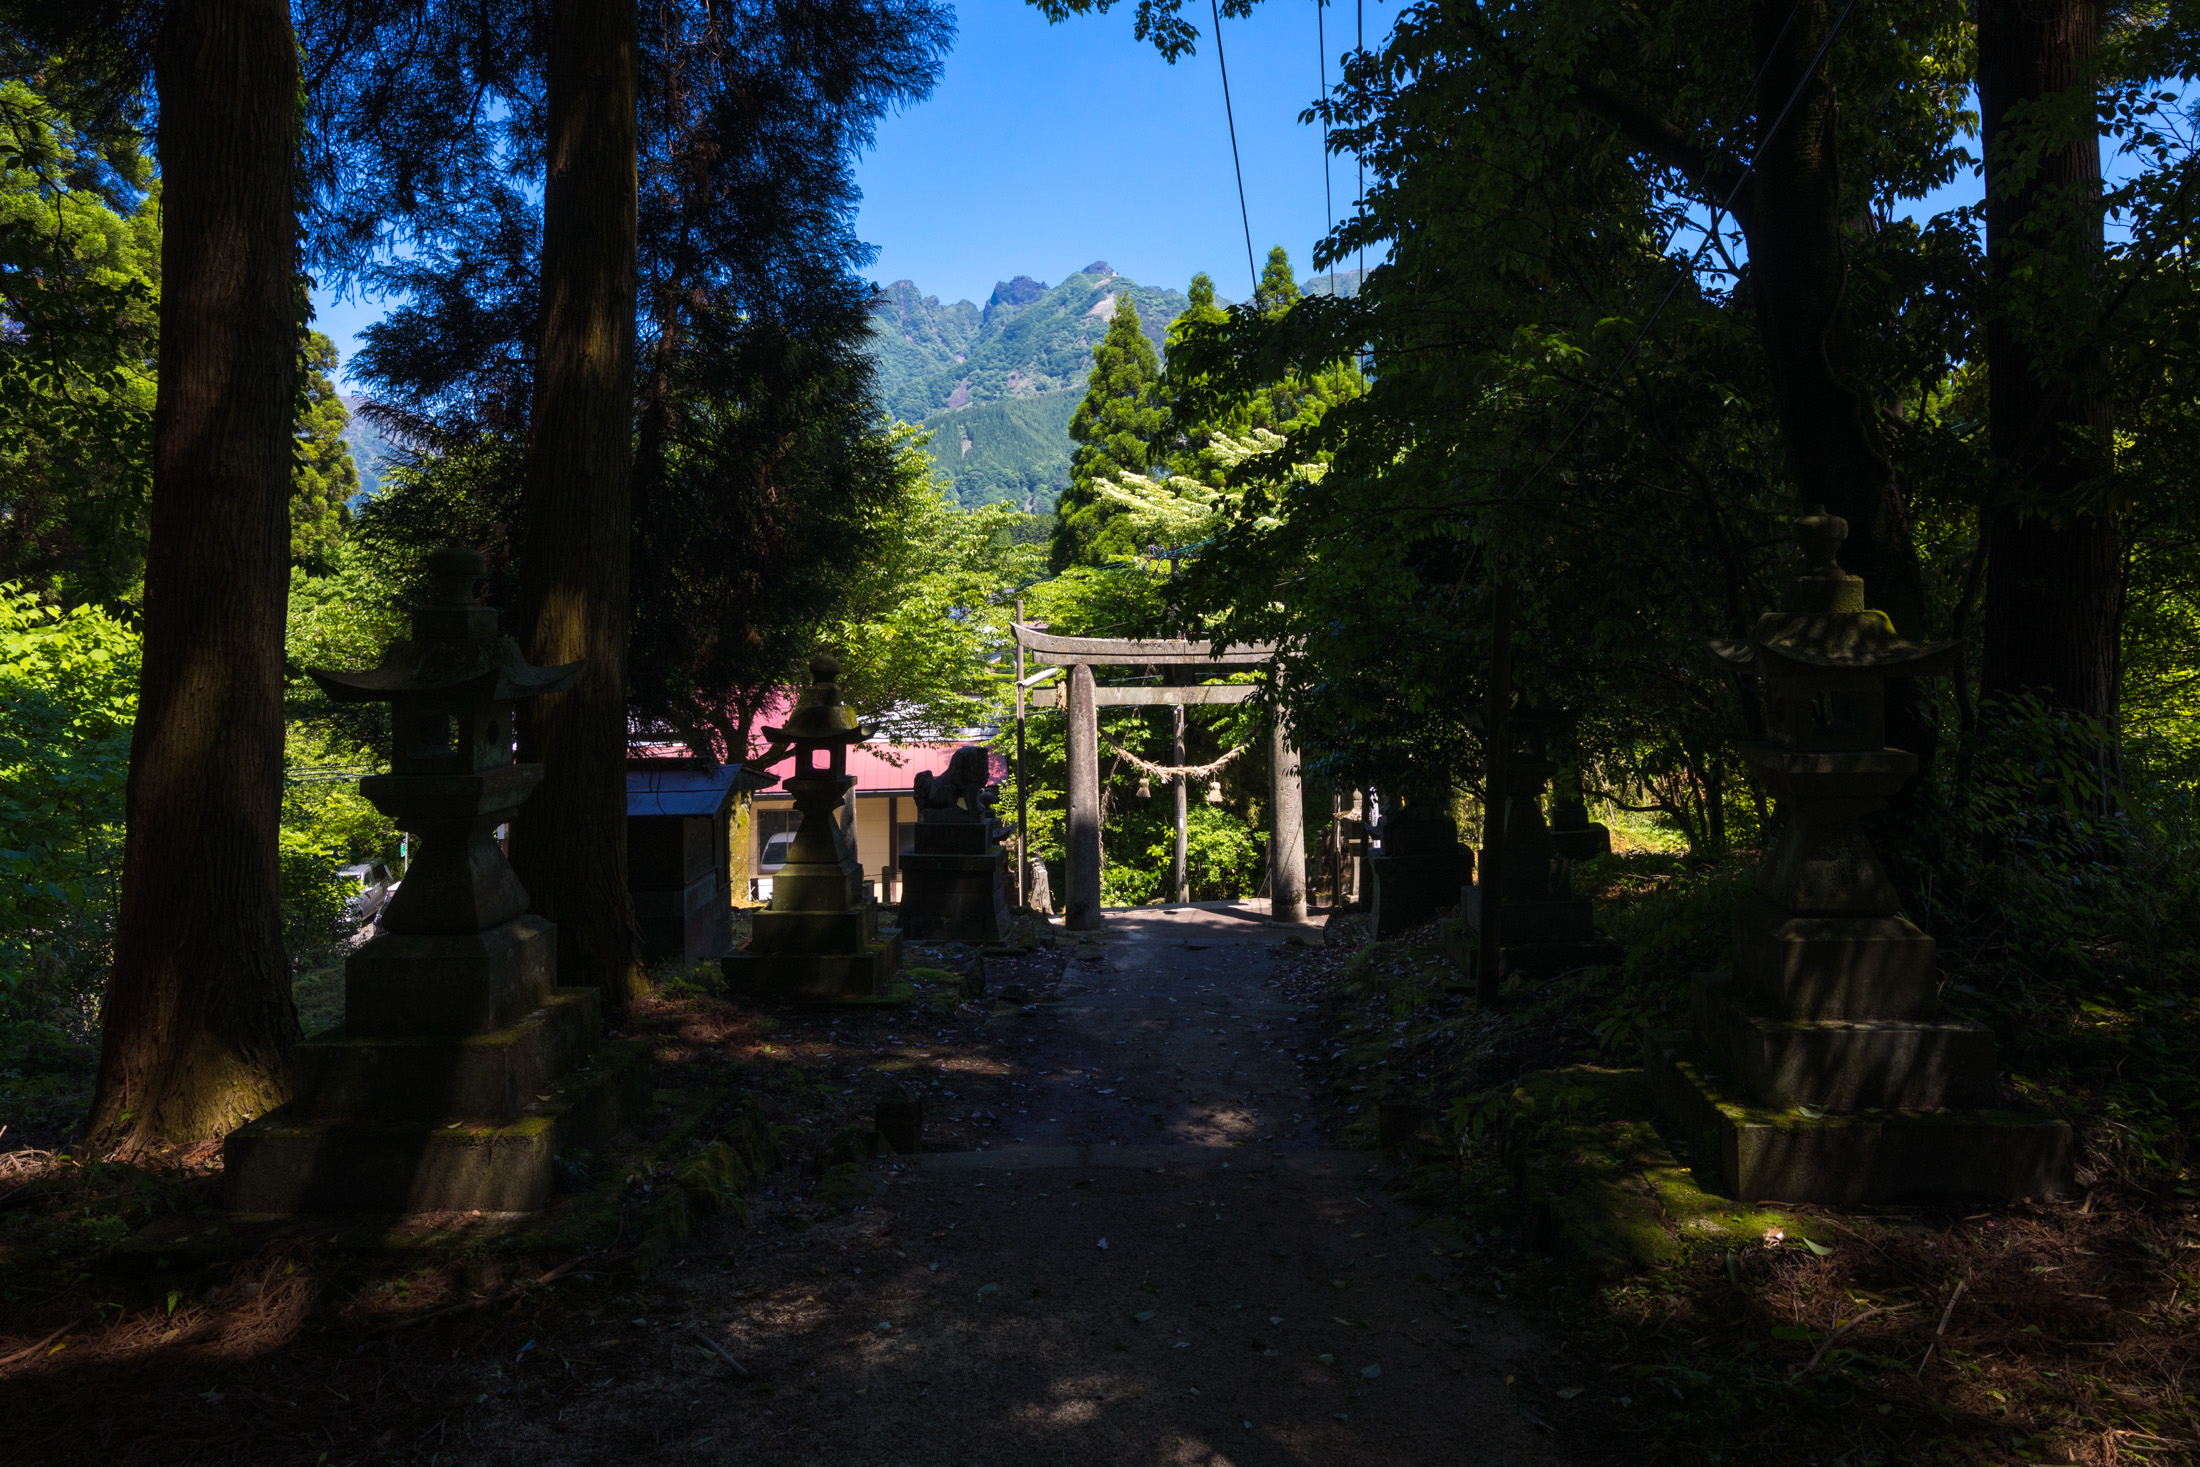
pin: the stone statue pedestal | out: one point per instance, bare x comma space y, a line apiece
461, 1068
1419, 871
1543, 928
955, 884
460, 1071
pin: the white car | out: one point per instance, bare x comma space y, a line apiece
370, 889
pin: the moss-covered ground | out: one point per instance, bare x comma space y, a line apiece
2042, 1330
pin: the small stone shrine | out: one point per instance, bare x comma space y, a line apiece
819, 941
1421, 866
1543, 928
460, 1069
956, 878
1823, 1068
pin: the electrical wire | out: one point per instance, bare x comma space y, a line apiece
1244, 217
1359, 45
1329, 207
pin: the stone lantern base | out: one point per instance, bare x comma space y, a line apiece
1758, 1153
955, 885
825, 958
459, 1074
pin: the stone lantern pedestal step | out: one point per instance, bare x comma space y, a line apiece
869, 977
1763, 1154
1846, 1064
290, 1162
438, 1076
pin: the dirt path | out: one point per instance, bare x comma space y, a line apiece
1109, 1283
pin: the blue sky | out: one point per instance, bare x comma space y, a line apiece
1047, 147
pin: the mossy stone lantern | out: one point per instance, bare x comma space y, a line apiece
1824, 1068
461, 1069
819, 942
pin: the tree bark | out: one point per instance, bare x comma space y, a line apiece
2052, 565
197, 1027
569, 840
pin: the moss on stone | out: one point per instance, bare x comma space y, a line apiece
1600, 1185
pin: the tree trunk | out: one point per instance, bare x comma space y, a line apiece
1798, 282
198, 1025
2051, 567
569, 840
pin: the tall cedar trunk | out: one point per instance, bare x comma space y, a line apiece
1798, 267
198, 1025
2051, 575
569, 840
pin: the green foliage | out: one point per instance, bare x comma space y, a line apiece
928, 608
1116, 429
68, 691
323, 478
79, 271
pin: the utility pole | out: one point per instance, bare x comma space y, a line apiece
1023, 799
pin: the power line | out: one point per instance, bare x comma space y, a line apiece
1359, 45
1243, 217
1329, 207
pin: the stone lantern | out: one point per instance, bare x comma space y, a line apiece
461, 1068
1824, 1068
819, 941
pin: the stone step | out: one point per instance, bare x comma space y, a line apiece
1844, 1064
284, 1163
435, 1077
1759, 1154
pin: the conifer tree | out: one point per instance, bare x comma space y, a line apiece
1278, 290
1118, 428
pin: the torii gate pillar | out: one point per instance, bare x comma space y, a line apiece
1083, 846
1287, 836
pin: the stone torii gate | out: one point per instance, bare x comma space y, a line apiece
1287, 843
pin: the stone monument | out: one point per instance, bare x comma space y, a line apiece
1421, 866
956, 877
819, 941
1824, 1068
1577, 837
1543, 928
460, 1069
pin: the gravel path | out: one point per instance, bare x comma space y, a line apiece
1155, 1263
